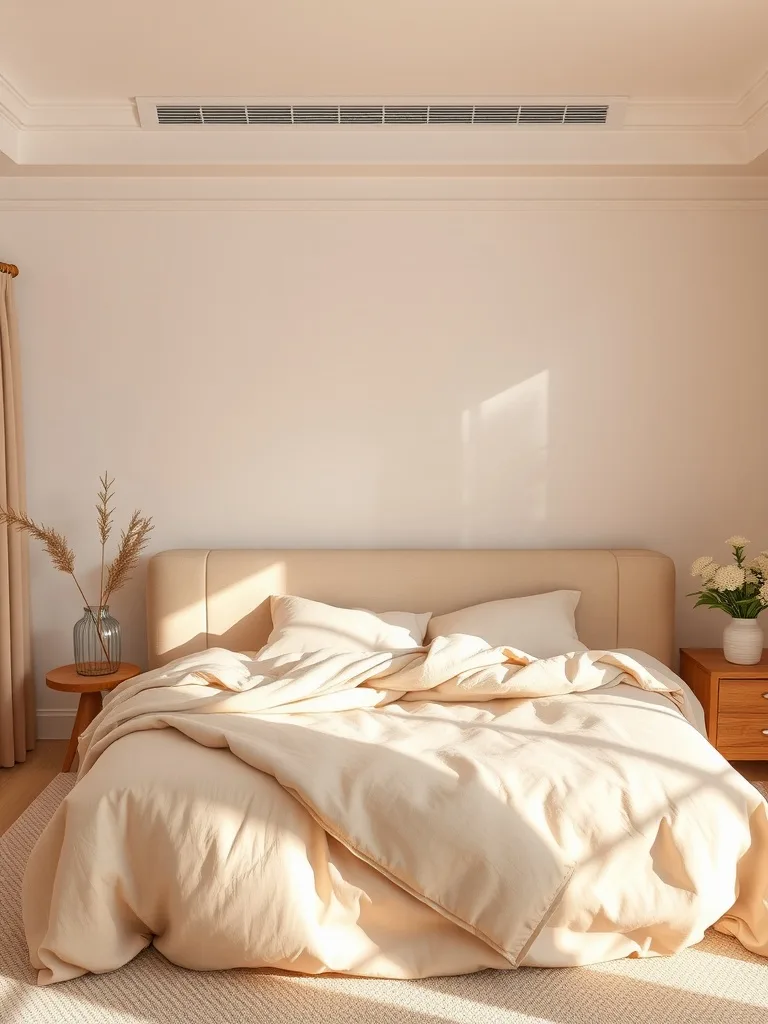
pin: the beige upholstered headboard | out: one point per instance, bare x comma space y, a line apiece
198, 598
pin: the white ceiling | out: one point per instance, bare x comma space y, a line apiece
93, 51
693, 72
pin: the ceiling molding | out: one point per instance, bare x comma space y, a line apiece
682, 114
12, 110
757, 133
754, 99
9, 136
382, 206
28, 115
363, 147
659, 133
754, 111
386, 193
73, 116
13, 104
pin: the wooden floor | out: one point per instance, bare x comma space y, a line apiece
20, 785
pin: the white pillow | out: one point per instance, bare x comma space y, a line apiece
542, 625
299, 625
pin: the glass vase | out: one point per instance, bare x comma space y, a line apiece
97, 642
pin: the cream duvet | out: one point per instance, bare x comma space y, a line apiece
396, 814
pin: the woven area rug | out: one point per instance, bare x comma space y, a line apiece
716, 982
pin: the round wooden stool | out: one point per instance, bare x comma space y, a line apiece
90, 689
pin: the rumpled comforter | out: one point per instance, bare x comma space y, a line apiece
397, 814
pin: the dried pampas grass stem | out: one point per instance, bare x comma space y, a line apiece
133, 540
104, 521
56, 546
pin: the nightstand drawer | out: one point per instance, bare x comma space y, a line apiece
744, 697
741, 737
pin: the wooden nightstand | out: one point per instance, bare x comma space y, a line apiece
735, 700
90, 689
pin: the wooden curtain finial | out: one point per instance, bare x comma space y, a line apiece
9, 268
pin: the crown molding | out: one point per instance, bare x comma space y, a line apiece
13, 104
72, 116
12, 110
754, 100
392, 206
670, 132
309, 194
56, 114
754, 112
757, 134
9, 136
376, 148
682, 114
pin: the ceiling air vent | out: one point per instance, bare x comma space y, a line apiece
179, 115
315, 115
405, 115
548, 114
156, 113
268, 115
217, 114
496, 115
585, 115
359, 115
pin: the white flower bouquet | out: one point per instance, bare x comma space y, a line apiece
740, 589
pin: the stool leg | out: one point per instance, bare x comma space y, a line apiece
87, 709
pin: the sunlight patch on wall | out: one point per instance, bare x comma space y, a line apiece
505, 441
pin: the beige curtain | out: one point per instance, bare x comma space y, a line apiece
17, 687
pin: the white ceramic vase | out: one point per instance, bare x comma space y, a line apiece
743, 641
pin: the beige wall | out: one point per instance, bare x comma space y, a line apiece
442, 375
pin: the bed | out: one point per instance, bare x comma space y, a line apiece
399, 814
198, 598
